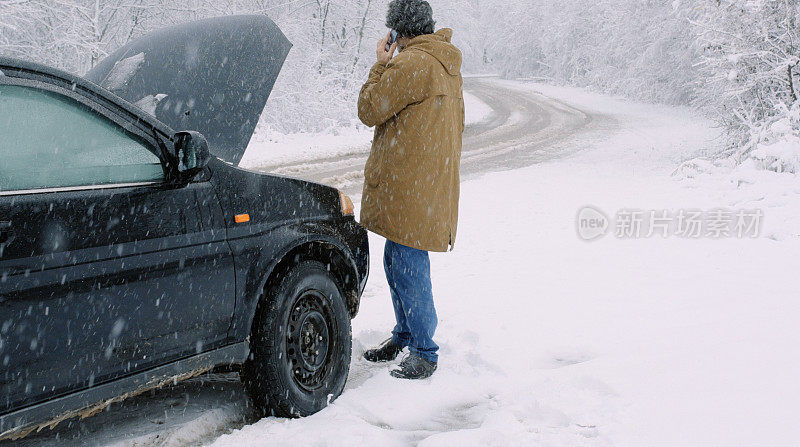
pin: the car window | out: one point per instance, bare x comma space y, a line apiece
48, 140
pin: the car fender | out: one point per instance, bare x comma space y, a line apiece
265, 252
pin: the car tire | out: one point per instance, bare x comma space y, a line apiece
300, 344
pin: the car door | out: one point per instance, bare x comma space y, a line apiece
105, 269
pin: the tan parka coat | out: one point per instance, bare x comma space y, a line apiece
411, 179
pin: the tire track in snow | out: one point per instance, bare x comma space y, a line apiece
524, 128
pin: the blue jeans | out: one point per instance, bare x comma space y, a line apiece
408, 272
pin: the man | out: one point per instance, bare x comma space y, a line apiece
411, 179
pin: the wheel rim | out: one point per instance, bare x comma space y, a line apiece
309, 340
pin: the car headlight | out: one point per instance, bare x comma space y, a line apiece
346, 204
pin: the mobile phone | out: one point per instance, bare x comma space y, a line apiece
392, 39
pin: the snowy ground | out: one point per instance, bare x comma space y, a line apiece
550, 340
476, 110
547, 339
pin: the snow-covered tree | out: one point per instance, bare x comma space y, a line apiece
750, 68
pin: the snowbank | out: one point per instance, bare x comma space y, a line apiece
271, 148
549, 340
779, 149
475, 110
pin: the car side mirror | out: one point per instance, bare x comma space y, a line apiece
191, 150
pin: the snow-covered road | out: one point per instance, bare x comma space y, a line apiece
547, 339
522, 128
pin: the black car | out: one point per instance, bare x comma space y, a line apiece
134, 256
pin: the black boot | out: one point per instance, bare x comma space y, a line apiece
387, 351
414, 367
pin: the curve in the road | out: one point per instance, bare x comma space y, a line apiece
523, 129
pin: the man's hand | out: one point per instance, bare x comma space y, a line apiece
385, 56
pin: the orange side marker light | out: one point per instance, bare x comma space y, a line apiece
346, 204
242, 218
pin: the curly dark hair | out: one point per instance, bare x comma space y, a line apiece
410, 18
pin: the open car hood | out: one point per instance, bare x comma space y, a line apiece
212, 76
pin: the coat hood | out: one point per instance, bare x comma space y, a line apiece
212, 76
438, 45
